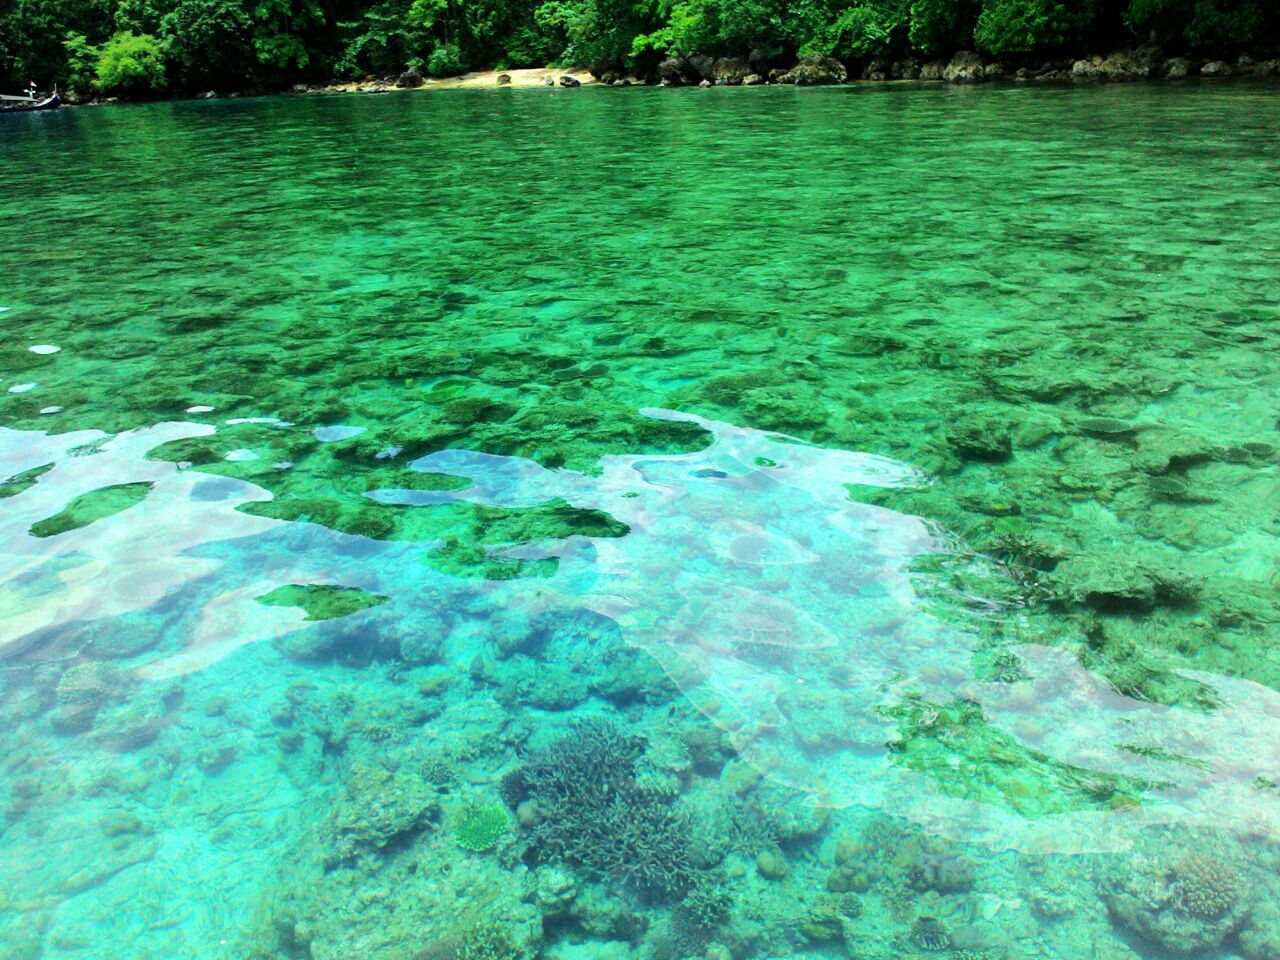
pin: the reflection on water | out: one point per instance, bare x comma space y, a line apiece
855, 658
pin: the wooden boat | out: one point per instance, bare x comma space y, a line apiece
27, 104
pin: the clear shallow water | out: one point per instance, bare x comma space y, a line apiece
899, 465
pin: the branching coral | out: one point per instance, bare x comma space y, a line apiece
593, 813
488, 945
706, 906
480, 943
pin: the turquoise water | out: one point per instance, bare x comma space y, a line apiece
594, 524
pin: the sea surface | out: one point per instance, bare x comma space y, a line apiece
661, 524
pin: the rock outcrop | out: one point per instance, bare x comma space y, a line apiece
730, 71
677, 72
1141, 64
410, 78
815, 71
965, 67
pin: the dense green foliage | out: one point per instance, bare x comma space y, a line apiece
136, 46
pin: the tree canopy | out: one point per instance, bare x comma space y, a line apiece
138, 47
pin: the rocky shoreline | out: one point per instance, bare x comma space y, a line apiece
965, 67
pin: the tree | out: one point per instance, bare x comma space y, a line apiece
941, 26
1023, 26
1205, 24
208, 41
130, 63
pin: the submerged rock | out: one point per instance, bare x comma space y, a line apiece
1106, 426
1187, 902
377, 807
1119, 584
83, 690
980, 438
772, 865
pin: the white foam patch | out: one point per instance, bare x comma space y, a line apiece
44, 348
22, 387
238, 456
51, 409
199, 408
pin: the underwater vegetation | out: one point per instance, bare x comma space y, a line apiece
849, 531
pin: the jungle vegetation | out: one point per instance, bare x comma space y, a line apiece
153, 47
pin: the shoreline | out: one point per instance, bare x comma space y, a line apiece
964, 69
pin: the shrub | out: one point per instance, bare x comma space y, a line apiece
445, 61
130, 63
82, 61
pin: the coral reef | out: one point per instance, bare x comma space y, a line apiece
480, 827
594, 813
1203, 886
933, 867
378, 807
930, 933
1186, 901
83, 690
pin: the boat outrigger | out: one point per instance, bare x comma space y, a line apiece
25, 104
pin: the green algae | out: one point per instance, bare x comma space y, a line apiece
14, 485
986, 763
90, 508
322, 601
